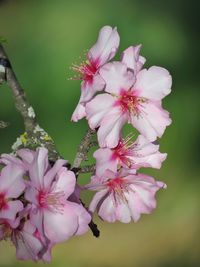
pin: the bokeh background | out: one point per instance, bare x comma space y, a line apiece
43, 39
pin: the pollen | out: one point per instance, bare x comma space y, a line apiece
24, 138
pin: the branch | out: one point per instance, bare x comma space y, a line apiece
94, 229
34, 136
83, 148
87, 169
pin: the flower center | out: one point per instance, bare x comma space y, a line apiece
3, 202
86, 71
131, 102
123, 151
51, 200
118, 187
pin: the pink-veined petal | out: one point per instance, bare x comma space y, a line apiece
65, 182
154, 83
131, 57
105, 47
60, 226
105, 160
27, 245
152, 120
96, 199
9, 158
146, 154
97, 108
110, 128
123, 213
79, 112
26, 155
11, 209
11, 180
107, 210
50, 175
84, 218
117, 77
39, 167
91, 87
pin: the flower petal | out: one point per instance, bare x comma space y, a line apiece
107, 210
110, 128
123, 213
105, 47
50, 175
39, 167
91, 87
152, 120
84, 218
65, 182
11, 209
146, 154
11, 180
27, 245
131, 57
79, 112
99, 196
154, 83
67, 220
97, 108
105, 160
117, 77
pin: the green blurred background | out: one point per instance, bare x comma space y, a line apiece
43, 39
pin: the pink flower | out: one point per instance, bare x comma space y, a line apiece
123, 196
126, 154
27, 240
103, 51
135, 99
11, 187
49, 188
28, 246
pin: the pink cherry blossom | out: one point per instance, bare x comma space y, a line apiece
127, 154
11, 187
135, 99
28, 246
123, 196
54, 216
103, 51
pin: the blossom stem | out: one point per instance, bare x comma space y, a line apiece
83, 148
35, 134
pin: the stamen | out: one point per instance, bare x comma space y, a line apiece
130, 102
118, 187
52, 200
86, 70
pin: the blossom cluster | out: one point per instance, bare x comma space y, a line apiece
37, 207
40, 202
113, 94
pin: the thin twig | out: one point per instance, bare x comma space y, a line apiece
94, 229
34, 136
83, 148
87, 169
